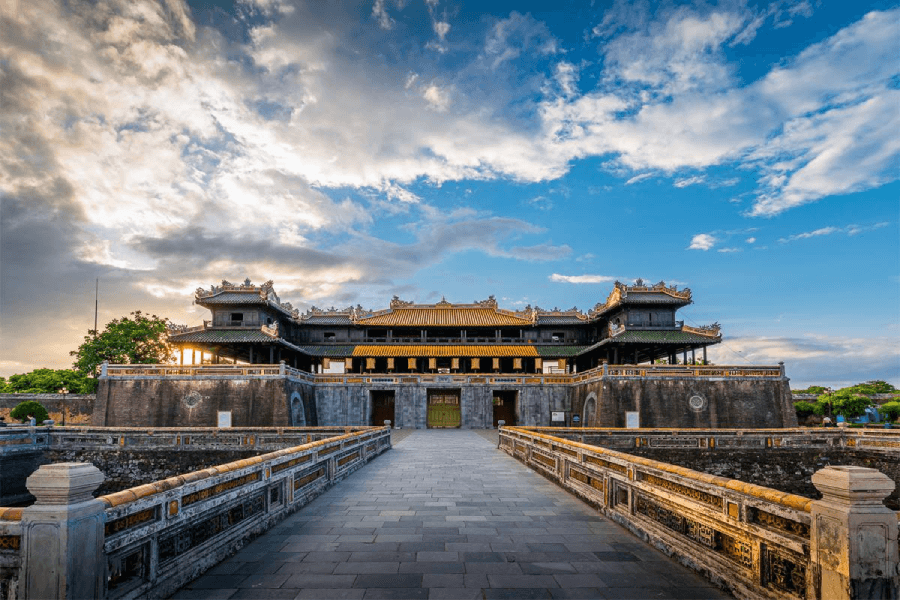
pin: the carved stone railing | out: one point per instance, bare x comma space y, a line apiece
155, 538
879, 441
218, 371
750, 539
10, 551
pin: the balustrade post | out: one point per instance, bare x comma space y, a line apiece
62, 534
854, 535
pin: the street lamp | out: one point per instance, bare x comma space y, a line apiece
65, 392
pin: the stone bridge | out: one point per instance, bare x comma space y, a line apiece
447, 514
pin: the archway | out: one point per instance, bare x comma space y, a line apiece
298, 414
589, 412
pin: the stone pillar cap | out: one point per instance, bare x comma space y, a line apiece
64, 483
853, 485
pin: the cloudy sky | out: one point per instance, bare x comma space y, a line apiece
537, 151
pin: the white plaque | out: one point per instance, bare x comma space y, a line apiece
557, 415
633, 420
224, 418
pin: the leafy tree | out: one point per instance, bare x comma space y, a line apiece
813, 389
890, 410
49, 381
138, 340
29, 407
848, 404
804, 409
870, 388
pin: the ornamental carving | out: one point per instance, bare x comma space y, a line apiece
785, 572
683, 490
779, 523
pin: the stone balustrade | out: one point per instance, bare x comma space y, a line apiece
154, 538
618, 371
755, 541
878, 441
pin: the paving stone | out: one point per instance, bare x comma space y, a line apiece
401, 580
432, 567
455, 594
396, 594
313, 580
444, 515
331, 594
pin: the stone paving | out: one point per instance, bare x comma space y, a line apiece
445, 515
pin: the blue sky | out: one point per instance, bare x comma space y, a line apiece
536, 151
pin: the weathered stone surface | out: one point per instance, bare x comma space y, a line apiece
854, 536
196, 401
64, 409
667, 402
63, 534
786, 469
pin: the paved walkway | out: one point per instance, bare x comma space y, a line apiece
444, 514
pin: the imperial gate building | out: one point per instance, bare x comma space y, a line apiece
445, 365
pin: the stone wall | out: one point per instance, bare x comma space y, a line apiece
351, 404
196, 401
290, 397
686, 402
124, 469
64, 409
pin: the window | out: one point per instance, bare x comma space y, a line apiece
329, 335
558, 336
237, 318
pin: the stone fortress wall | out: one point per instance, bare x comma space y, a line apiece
277, 395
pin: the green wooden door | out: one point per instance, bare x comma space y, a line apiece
443, 410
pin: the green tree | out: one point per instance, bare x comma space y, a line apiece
870, 388
138, 340
813, 389
890, 410
804, 409
848, 404
29, 407
49, 381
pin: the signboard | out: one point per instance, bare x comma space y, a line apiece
224, 418
633, 420
558, 416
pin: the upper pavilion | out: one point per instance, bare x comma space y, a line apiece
635, 324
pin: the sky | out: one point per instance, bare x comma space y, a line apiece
535, 151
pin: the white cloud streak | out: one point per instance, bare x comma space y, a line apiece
556, 277
702, 241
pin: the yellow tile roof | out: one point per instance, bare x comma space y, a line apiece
398, 350
445, 317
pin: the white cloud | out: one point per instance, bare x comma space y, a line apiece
581, 278
751, 240
816, 359
638, 178
515, 35
380, 14
441, 28
437, 98
702, 241
819, 125
697, 179
823, 231
729, 250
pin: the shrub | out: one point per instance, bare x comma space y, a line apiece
804, 409
30, 407
890, 410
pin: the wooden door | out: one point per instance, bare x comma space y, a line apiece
443, 409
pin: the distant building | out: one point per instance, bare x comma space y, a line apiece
444, 365
636, 324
